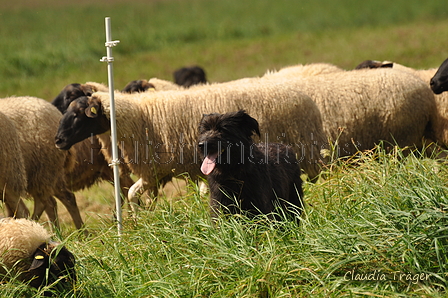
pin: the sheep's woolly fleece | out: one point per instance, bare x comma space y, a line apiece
97, 87
13, 179
36, 122
369, 105
306, 70
163, 85
440, 123
19, 239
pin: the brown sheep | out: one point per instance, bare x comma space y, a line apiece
36, 122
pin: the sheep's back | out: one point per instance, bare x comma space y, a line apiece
306, 70
162, 85
367, 106
19, 239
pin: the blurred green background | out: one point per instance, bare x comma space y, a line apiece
48, 44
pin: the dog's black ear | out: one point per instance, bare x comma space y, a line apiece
249, 123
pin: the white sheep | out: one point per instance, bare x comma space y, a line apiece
13, 176
36, 122
27, 252
157, 130
362, 107
439, 124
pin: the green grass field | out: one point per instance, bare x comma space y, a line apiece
374, 227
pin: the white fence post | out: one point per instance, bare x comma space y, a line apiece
113, 127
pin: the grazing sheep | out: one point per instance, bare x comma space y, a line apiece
13, 176
439, 82
360, 108
36, 122
27, 252
189, 76
157, 130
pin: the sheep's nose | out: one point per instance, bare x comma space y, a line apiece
58, 141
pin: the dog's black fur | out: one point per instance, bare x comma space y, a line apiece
247, 176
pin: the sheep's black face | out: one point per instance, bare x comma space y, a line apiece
439, 82
224, 139
63, 266
69, 94
83, 118
52, 265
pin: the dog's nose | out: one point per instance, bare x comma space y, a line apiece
201, 144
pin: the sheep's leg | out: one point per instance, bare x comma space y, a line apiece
153, 192
126, 183
69, 200
138, 188
50, 207
134, 193
15, 207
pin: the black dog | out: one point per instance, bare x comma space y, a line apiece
244, 176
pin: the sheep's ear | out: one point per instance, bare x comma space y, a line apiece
387, 65
39, 258
92, 110
88, 90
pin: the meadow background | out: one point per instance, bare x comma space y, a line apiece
386, 215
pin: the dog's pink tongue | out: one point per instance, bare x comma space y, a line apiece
209, 163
